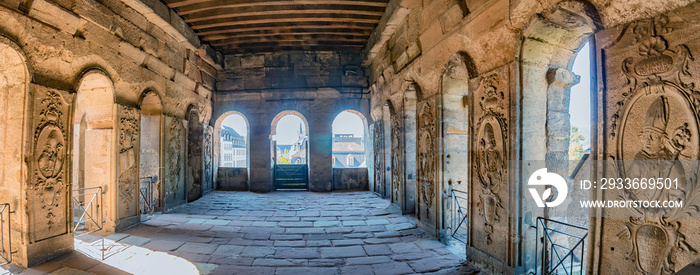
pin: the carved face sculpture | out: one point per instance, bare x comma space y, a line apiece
652, 141
653, 135
489, 140
49, 160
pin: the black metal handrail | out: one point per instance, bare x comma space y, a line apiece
5, 245
458, 212
557, 256
87, 210
147, 200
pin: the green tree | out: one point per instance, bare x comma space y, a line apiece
575, 147
283, 159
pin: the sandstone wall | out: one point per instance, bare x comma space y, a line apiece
58, 43
317, 85
516, 57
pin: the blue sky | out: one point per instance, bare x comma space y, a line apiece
287, 129
580, 106
348, 123
237, 122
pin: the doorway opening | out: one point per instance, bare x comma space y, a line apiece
290, 143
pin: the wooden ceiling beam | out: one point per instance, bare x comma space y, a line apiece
233, 23
221, 4
294, 38
286, 27
225, 38
227, 14
300, 31
293, 43
290, 48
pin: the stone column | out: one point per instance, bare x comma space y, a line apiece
260, 154
320, 152
558, 119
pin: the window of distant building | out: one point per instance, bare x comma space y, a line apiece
348, 140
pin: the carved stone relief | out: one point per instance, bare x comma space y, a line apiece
378, 155
208, 167
427, 162
174, 157
397, 158
490, 191
128, 163
194, 158
48, 199
652, 133
489, 162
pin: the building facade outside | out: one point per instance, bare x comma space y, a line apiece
233, 148
348, 151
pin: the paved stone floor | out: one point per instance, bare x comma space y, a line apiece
273, 233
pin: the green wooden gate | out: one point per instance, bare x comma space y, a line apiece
291, 176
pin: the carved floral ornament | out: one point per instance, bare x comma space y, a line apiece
378, 154
427, 155
489, 163
655, 128
208, 133
396, 156
175, 159
128, 139
492, 97
50, 148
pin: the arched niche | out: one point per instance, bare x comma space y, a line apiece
230, 178
548, 47
408, 189
150, 152
14, 101
94, 149
298, 150
384, 188
195, 161
454, 88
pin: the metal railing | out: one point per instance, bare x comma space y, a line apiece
5, 230
562, 250
87, 210
147, 199
458, 211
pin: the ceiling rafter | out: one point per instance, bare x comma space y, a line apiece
247, 26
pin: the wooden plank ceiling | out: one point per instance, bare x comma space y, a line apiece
247, 26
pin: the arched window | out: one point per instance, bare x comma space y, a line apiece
580, 113
233, 141
349, 140
553, 58
291, 139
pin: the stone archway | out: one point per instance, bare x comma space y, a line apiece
549, 45
150, 153
297, 180
455, 185
236, 177
349, 164
93, 150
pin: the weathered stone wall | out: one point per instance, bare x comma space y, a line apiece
350, 179
517, 56
317, 85
232, 179
651, 93
58, 42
